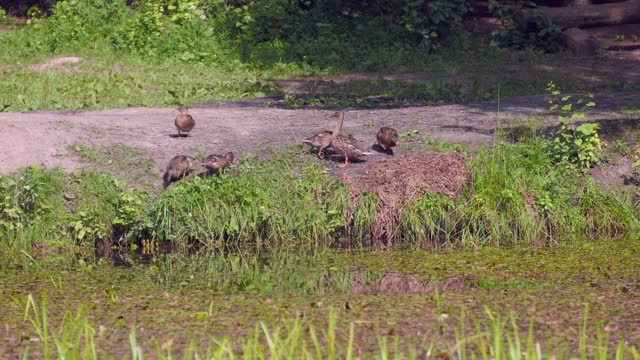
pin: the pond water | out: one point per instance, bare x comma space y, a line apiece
426, 301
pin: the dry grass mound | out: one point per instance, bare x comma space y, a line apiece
399, 180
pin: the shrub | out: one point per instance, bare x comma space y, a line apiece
508, 34
262, 32
39, 205
30, 206
577, 146
77, 23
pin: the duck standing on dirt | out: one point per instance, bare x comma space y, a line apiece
215, 162
178, 167
387, 138
321, 141
184, 122
346, 145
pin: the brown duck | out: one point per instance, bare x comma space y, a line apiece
387, 138
346, 145
321, 141
178, 168
215, 162
184, 122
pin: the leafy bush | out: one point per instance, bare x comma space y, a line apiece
104, 209
579, 146
331, 33
328, 34
77, 23
30, 206
40, 205
508, 34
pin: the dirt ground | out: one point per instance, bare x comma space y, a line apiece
44, 137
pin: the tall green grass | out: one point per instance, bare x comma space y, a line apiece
492, 337
516, 195
285, 201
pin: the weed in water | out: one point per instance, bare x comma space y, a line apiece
494, 336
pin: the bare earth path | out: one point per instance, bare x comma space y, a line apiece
44, 137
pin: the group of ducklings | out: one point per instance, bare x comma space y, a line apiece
346, 145
180, 166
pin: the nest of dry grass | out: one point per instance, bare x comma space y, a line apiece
398, 180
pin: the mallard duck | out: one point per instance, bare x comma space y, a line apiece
184, 122
215, 162
178, 168
346, 145
321, 141
387, 138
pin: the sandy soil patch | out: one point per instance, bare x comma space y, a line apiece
43, 137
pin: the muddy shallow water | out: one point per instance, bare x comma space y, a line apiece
180, 299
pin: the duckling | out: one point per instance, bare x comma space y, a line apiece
346, 145
178, 167
387, 138
321, 140
184, 122
215, 162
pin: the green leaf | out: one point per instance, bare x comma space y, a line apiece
588, 128
577, 116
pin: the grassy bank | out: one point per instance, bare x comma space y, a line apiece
516, 195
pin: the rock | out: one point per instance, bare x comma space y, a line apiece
580, 41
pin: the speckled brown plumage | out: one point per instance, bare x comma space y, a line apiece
184, 122
346, 145
387, 138
321, 141
215, 162
178, 167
